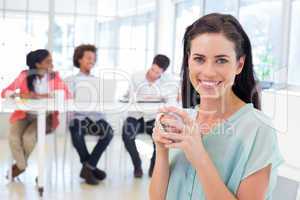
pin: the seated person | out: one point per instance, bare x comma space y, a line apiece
39, 81
88, 123
146, 85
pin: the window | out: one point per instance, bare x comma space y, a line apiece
74, 24
13, 49
127, 7
294, 63
37, 30
186, 13
87, 7
107, 8
107, 41
38, 5
87, 24
136, 52
63, 42
225, 6
29, 32
104, 23
1, 4
15, 5
64, 6
262, 22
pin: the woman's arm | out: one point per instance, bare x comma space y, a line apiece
160, 177
33, 95
161, 172
10, 89
256, 185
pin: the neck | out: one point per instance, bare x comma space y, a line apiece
220, 107
147, 77
41, 73
87, 72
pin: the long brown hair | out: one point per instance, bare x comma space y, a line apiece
245, 84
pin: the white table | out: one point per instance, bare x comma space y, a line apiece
44, 105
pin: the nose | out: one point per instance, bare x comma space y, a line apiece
208, 70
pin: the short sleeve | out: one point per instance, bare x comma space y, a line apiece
264, 151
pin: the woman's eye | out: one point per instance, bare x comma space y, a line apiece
221, 61
199, 60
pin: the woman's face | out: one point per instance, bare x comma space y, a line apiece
87, 61
213, 65
46, 64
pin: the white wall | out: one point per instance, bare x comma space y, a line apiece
283, 108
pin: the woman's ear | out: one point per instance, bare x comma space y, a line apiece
240, 64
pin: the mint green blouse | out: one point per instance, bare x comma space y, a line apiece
239, 147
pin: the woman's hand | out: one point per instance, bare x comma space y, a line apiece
163, 124
43, 96
188, 138
159, 140
33, 95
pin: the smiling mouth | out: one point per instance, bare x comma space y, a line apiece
209, 83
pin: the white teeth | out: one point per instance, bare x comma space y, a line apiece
210, 83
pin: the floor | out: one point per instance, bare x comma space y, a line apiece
63, 182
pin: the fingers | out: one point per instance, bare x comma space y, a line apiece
174, 145
158, 136
180, 112
165, 141
174, 137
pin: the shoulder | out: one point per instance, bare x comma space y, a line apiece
55, 75
258, 120
255, 130
22, 75
24, 72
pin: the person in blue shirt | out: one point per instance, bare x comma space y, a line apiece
225, 148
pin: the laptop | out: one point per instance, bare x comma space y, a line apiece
95, 90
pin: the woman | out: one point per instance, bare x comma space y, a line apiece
39, 81
228, 147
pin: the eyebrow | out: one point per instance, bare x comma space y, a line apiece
220, 56
217, 56
197, 54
